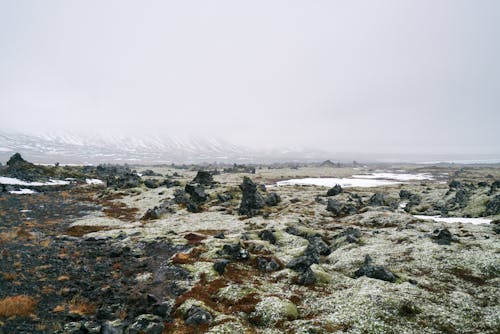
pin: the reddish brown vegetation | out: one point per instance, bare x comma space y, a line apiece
21, 306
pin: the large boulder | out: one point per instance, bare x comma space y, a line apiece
251, 201
204, 178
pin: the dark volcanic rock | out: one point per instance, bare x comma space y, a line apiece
235, 251
181, 197
158, 211
197, 192
15, 160
149, 172
495, 224
118, 176
301, 263
405, 194
306, 277
240, 169
21, 169
273, 199
267, 265
268, 236
169, 183
194, 207
351, 235
316, 246
220, 266
454, 184
252, 201
328, 163
461, 198
204, 178
493, 206
220, 236
146, 324
150, 183
196, 316
377, 199
334, 191
377, 272
443, 237
340, 209
226, 197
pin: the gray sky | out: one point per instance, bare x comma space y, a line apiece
367, 76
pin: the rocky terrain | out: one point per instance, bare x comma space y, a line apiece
162, 249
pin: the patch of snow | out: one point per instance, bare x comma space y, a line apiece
14, 181
23, 192
331, 182
395, 176
5, 149
474, 221
93, 181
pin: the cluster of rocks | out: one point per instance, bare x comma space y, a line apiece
193, 196
240, 169
158, 211
411, 198
252, 200
341, 209
118, 176
316, 248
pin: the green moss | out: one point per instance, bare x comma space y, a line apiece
272, 310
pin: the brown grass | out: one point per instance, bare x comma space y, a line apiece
194, 238
191, 257
21, 306
9, 276
119, 210
78, 231
76, 306
81, 307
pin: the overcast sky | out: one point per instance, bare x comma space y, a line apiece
367, 76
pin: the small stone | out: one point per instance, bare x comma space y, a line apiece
377, 272
220, 236
273, 199
196, 316
307, 277
220, 266
235, 251
113, 327
443, 237
268, 236
337, 189
146, 324
73, 328
267, 265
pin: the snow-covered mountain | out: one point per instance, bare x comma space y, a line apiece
78, 149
